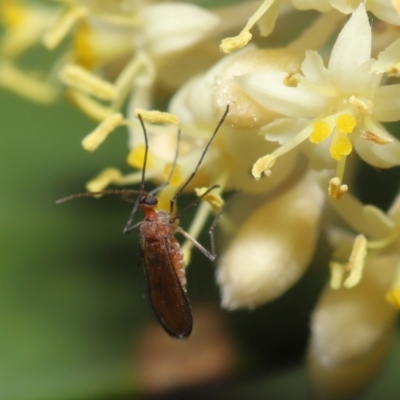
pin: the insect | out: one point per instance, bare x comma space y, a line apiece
161, 252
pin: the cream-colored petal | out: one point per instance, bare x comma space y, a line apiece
268, 89
270, 251
348, 323
377, 155
171, 27
388, 60
345, 382
281, 130
351, 49
385, 10
314, 69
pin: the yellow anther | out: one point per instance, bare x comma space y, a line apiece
103, 179
335, 189
136, 157
292, 79
92, 141
157, 117
176, 178
356, 262
321, 130
215, 200
229, 45
337, 272
263, 165
341, 146
345, 123
80, 78
63, 26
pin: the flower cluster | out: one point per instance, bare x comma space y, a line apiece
304, 113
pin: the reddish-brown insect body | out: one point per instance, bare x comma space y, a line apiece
165, 270
161, 252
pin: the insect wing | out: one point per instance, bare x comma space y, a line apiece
167, 296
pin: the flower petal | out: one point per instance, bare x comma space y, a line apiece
385, 10
281, 130
173, 26
377, 155
314, 69
268, 89
270, 251
388, 60
351, 49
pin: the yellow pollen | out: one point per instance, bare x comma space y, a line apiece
94, 139
320, 132
345, 123
340, 147
176, 177
157, 117
229, 45
136, 157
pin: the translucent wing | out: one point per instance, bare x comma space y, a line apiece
167, 296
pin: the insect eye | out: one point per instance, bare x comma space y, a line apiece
148, 200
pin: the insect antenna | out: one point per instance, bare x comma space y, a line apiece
192, 175
123, 192
193, 203
128, 227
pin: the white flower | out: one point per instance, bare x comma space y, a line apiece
344, 101
353, 324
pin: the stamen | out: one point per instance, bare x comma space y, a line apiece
213, 198
63, 26
263, 164
337, 272
90, 107
81, 79
25, 85
321, 130
356, 262
373, 137
345, 123
157, 117
335, 189
292, 79
103, 179
229, 45
340, 147
92, 141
